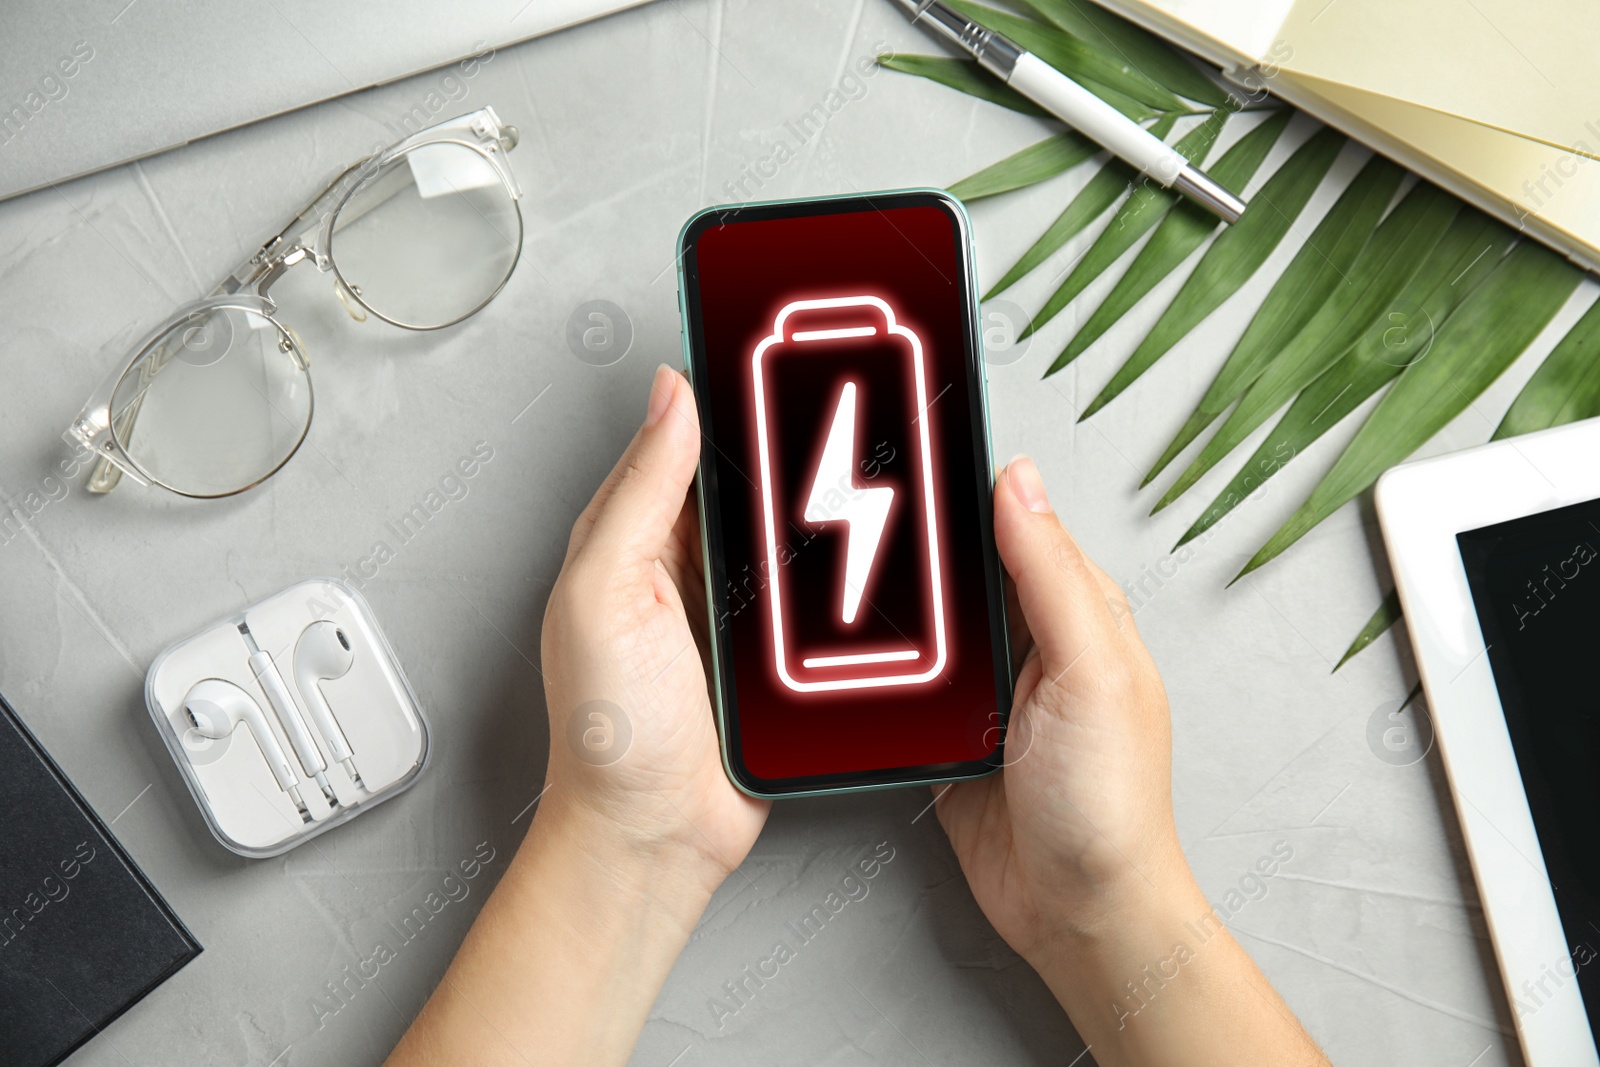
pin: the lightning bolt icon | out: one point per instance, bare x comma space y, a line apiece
865, 509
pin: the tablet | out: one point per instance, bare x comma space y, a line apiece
1496, 555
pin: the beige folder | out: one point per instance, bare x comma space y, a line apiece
1496, 100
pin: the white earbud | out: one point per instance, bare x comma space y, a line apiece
216, 708
323, 652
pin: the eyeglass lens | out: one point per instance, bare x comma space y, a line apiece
220, 401
429, 237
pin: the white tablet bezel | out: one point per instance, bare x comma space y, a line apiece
1422, 506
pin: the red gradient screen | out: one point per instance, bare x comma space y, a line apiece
856, 591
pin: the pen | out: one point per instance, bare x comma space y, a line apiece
1077, 107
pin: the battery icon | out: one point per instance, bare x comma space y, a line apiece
849, 512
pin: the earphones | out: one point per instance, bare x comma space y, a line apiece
294, 725
324, 653
216, 708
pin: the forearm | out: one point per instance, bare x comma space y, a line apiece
567, 956
1164, 984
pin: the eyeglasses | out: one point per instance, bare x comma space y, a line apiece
217, 399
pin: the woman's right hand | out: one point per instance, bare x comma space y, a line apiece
1071, 851
1079, 823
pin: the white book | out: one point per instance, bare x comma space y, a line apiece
1497, 101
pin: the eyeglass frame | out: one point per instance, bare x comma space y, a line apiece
245, 289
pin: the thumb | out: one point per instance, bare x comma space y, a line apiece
1059, 589
634, 510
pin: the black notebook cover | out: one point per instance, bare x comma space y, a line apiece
83, 934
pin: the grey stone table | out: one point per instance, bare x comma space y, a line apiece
1372, 929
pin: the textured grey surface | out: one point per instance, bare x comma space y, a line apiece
1372, 931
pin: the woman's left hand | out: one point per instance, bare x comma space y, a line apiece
633, 740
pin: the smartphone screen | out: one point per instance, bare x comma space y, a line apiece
845, 480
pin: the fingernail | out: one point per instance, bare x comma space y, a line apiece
661, 387
1023, 477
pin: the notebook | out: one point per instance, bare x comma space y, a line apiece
83, 934
1497, 101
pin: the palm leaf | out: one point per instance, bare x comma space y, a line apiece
1484, 314
1137, 48
1322, 262
1387, 615
1102, 190
964, 75
1100, 193
1395, 252
1077, 59
1238, 251
1180, 233
1565, 388
1034, 164
1474, 346
1147, 206
1466, 255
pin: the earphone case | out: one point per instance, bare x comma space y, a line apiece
373, 703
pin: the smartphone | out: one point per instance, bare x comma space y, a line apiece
845, 490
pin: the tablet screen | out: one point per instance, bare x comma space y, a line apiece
1535, 583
